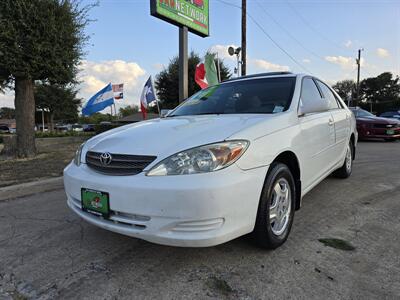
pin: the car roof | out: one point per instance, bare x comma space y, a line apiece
261, 75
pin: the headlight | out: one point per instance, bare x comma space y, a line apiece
202, 159
78, 153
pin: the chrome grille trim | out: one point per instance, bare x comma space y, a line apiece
121, 164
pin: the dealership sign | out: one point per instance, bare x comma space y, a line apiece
190, 13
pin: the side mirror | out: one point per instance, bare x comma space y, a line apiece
306, 107
165, 112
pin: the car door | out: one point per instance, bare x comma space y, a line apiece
317, 135
341, 119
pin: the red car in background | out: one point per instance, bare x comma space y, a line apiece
371, 126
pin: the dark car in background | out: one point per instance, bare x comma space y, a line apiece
88, 127
391, 114
371, 126
4, 129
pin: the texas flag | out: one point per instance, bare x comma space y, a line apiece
147, 97
206, 73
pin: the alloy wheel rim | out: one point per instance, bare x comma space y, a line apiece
348, 158
280, 206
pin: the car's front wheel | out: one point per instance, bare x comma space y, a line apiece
276, 208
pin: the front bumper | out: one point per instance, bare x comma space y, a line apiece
380, 133
188, 210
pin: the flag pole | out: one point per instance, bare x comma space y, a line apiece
219, 71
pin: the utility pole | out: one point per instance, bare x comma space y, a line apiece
358, 60
244, 15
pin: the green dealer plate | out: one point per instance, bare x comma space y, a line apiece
390, 132
95, 202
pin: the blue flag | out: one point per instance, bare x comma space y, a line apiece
103, 98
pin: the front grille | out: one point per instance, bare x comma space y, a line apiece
120, 164
386, 126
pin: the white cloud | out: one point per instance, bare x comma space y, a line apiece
253, 64
158, 66
344, 62
348, 43
222, 51
306, 61
266, 65
381, 52
96, 75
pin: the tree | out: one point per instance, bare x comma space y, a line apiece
128, 110
59, 100
167, 81
39, 40
7, 113
381, 92
346, 90
96, 118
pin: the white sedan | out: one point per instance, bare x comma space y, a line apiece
233, 159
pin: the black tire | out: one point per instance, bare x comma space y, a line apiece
390, 140
263, 233
345, 171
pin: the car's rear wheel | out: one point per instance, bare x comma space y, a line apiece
276, 208
347, 168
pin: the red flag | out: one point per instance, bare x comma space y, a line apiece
200, 76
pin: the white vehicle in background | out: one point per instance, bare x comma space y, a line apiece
233, 159
77, 128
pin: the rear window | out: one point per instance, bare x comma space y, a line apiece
259, 96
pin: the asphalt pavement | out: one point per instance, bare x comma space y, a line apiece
46, 252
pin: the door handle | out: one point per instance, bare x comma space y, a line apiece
330, 123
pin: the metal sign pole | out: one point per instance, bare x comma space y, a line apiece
183, 63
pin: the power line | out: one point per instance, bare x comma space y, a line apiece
288, 33
268, 36
308, 24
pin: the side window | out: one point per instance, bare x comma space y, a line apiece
328, 95
309, 92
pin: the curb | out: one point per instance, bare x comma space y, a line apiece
31, 188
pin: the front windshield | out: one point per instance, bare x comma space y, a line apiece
254, 96
363, 113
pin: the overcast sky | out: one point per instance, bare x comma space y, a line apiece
319, 37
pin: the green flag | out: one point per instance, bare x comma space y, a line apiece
211, 70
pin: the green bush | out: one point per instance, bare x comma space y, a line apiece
53, 134
104, 127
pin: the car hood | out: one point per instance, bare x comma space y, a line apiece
378, 120
162, 137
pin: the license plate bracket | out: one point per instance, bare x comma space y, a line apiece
95, 202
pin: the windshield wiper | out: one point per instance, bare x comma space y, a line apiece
209, 113
200, 114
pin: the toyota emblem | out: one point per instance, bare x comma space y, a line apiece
105, 158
